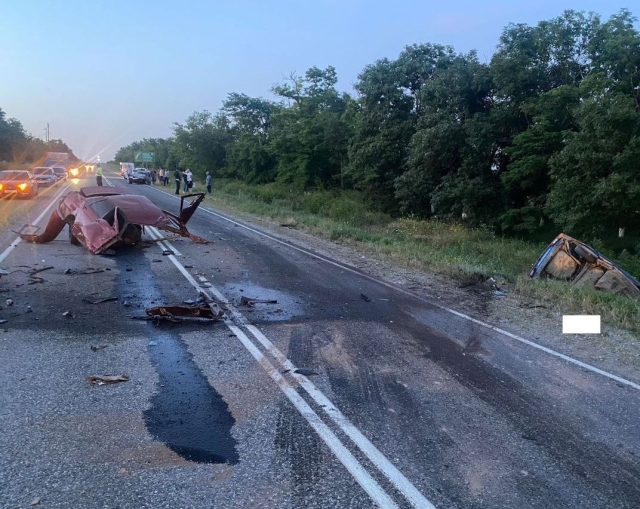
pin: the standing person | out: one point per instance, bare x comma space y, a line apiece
161, 176
208, 180
189, 180
99, 175
176, 176
184, 178
153, 177
166, 177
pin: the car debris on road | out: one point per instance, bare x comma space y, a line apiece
248, 301
107, 379
571, 260
100, 218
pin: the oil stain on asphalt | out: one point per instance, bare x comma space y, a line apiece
187, 414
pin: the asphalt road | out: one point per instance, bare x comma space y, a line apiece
397, 402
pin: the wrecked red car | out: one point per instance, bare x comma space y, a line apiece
102, 217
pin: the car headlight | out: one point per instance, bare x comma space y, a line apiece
74, 172
1, 187
22, 186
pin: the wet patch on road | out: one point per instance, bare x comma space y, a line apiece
285, 308
187, 414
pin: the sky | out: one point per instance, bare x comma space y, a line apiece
105, 73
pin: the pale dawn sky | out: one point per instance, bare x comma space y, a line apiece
104, 73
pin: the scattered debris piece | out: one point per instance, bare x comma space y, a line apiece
9, 302
4, 272
29, 309
36, 271
68, 314
99, 301
531, 306
365, 298
200, 311
499, 293
35, 501
123, 471
177, 313
305, 372
571, 260
129, 269
167, 252
248, 301
188, 266
100, 347
190, 302
153, 343
85, 271
107, 379
156, 261
4, 321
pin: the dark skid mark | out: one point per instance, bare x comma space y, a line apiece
188, 415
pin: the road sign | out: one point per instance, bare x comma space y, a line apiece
144, 157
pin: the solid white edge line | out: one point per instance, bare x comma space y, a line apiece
359, 473
528, 342
17, 241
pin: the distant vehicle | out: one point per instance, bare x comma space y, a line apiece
126, 169
60, 172
140, 176
56, 159
44, 175
21, 183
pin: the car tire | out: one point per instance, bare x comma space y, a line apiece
585, 254
130, 181
72, 238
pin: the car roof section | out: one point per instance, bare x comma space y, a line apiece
90, 191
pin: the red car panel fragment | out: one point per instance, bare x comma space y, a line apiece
101, 217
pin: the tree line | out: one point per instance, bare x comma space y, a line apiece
18, 146
547, 131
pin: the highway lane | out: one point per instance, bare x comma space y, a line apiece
462, 415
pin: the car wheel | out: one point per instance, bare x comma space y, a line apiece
72, 237
585, 254
130, 181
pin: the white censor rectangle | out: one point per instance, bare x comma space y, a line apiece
581, 324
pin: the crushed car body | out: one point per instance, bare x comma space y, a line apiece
571, 260
101, 217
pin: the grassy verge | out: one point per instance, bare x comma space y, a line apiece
446, 249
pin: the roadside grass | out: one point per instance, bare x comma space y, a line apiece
453, 250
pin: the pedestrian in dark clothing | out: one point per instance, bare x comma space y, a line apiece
166, 177
186, 183
99, 176
153, 177
208, 180
176, 175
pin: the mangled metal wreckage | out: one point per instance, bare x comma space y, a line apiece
571, 260
100, 218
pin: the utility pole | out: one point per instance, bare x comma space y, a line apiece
46, 133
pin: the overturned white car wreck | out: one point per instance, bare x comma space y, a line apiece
569, 259
102, 217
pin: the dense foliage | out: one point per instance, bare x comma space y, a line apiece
17, 146
547, 131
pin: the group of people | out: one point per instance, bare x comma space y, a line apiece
162, 176
185, 180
